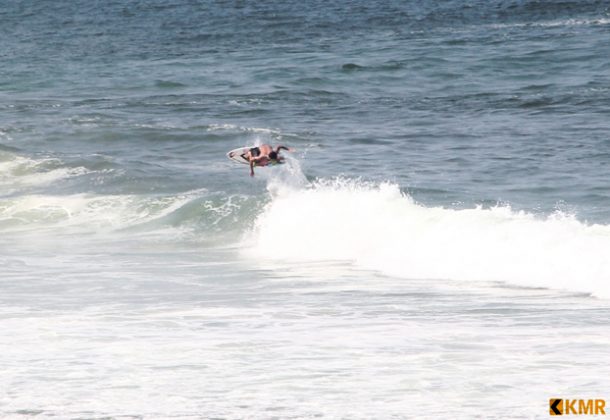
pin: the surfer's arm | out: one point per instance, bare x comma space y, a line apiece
251, 167
288, 149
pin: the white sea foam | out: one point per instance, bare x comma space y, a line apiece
257, 131
233, 127
378, 227
87, 212
4, 136
18, 171
554, 23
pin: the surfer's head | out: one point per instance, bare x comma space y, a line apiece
273, 155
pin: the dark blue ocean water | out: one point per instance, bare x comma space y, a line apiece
451, 168
458, 102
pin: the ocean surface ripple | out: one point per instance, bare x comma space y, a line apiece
437, 246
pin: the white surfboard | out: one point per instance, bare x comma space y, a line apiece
239, 154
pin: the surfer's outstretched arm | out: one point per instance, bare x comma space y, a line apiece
251, 167
277, 149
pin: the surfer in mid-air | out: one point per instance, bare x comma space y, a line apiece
264, 155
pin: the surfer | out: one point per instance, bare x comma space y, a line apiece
263, 155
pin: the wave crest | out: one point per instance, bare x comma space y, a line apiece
378, 227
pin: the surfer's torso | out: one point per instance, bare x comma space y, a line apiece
261, 153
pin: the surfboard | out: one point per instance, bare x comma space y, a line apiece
239, 155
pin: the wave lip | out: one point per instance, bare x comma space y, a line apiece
378, 227
86, 212
18, 172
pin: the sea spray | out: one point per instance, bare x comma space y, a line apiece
378, 227
288, 176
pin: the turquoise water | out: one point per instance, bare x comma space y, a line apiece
439, 239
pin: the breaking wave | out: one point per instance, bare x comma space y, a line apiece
17, 172
378, 227
372, 225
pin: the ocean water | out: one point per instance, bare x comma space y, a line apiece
437, 245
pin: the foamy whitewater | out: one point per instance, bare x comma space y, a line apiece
436, 246
378, 227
